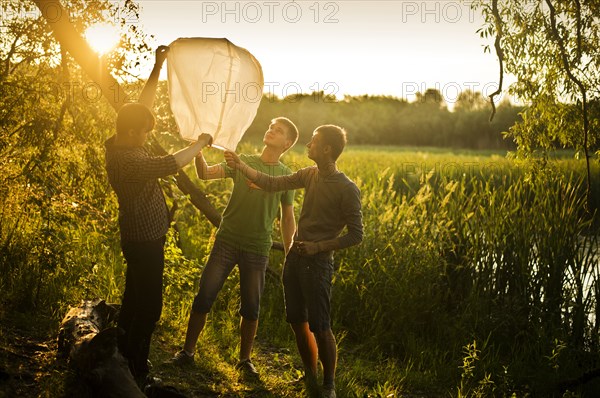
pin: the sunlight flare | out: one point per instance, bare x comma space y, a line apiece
102, 37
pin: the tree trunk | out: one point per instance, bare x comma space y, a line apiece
69, 39
58, 19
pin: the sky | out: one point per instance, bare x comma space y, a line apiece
354, 47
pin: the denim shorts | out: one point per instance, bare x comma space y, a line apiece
223, 257
307, 288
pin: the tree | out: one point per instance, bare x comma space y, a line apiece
59, 19
53, 120
52, 123
431, 97
469, 100
553, 48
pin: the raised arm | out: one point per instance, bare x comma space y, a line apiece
263, 180
234, 161
206, 172
140, 168
149, 91
186, 155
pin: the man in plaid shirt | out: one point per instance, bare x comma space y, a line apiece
133, 173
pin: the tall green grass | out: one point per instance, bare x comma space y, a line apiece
492, 251
477, 275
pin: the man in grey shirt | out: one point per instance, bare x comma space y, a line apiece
331, 202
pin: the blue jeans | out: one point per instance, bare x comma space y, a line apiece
307, 287
223, 257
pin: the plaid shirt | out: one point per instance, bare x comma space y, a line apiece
133, 173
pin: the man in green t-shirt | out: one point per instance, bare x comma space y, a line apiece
244, 238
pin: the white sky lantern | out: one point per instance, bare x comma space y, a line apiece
215, 87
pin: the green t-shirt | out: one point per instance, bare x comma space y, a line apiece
248, 218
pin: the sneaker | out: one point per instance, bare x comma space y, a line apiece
247, 367
182, 358
328, 392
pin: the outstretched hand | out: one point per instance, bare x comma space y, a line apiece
232, 159
161, 54
205, 139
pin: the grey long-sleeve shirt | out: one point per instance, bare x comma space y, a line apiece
330, 204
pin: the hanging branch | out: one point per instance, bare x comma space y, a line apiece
57, 18
565, 61
499, 52
578, 15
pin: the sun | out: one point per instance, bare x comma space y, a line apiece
102, 37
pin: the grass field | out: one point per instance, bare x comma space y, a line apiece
467, 276
477, 277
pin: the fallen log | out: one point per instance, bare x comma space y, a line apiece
89, 344
86, 320
90, 347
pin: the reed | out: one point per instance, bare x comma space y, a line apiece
477, 274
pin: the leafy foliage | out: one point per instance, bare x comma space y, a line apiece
553, 49
57, 210
476, 275
381, 120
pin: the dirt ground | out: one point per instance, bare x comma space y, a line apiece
29, 368
28, 358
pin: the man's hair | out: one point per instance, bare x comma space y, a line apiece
134, 116
334, 136
292, 130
